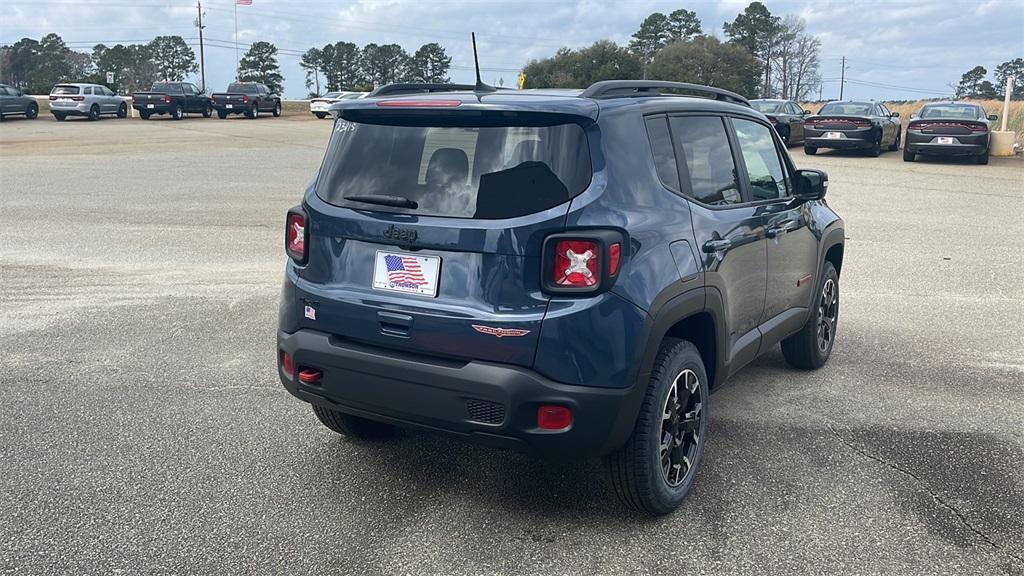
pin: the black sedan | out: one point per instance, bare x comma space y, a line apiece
949, 129
853, 125
786, 115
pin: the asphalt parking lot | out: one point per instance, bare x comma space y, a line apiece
143, 429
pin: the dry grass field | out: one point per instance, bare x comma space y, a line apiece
1014, 121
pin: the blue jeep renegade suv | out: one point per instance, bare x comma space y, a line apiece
569, 272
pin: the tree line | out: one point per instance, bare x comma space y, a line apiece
345, 66
764, 56
974, 85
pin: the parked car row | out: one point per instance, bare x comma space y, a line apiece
164, 98
938, 129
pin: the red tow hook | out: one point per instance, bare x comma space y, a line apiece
310, 375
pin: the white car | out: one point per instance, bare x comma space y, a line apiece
320, 106
90, 100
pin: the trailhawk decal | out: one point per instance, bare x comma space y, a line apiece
500, 332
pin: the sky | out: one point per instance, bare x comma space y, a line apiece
895, 49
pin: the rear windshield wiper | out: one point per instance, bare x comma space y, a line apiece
384, 200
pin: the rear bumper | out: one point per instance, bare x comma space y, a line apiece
482, 402
234, 109
859, 138
156, 109
963, 145
79, 109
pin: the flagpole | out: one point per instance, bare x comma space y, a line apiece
237, 61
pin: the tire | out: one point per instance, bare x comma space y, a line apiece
59, 116
143, 115
896, 143
320, 115
94, 112
811, 347
981, 158
178, 113
32, 111
253, 112
641, 477
122, 110
876, 149
810, 150
908, 156
207, 111
277, 109
352, 426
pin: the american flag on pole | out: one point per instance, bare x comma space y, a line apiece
243, 2
405, 270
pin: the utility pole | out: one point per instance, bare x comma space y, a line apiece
202, 55
842, 79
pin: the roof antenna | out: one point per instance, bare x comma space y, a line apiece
480, 86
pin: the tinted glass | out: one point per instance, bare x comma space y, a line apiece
851, 109
964, 111
65, 90
664, 156
87, 90
765, 107
242, 88
466, 172
703, 142
764, 167
331, 95
4, 92
793, 109
167, 88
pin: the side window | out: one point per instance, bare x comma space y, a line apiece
794, 109
87, 91
661, 148
3, 91
768, 180
704, 143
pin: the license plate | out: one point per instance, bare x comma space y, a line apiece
944, 140
63, 99
149, 106
228, 106
406, 273
833, 135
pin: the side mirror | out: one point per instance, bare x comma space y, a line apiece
810, 185
894, 114
993, 117
806, 112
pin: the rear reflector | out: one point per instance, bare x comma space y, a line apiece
310, 375
577, 263
554, 417
614, 255
419, 103
286, 364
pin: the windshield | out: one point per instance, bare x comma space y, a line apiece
764, 106
847, 109
478, 172
245, 88
965, 111
65, 90
331, 95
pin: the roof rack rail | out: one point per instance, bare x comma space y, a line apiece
638, 88
416, 88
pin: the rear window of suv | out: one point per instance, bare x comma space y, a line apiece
465, 172
64, 90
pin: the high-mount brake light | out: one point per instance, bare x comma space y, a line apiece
419, 103
296, 235
577, 263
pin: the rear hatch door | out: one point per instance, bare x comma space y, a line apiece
426, 226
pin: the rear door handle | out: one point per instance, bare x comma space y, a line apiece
721, 245
392, 324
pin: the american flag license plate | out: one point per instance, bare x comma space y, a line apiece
412, 274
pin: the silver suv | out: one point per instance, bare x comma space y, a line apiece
90, 100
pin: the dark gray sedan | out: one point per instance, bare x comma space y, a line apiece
868, 126
786, 115
14, 102
949, 129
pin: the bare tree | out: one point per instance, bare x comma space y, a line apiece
795, 60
